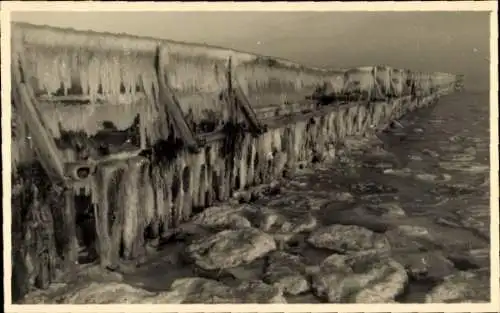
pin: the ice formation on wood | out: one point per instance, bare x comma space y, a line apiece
91, 87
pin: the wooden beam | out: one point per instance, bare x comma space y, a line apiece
169, 100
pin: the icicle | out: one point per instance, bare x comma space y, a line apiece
203, 186
147, 82
158, 185
361, 119
338, 124
243, 161
132, 205
331, 125
267, 145
169, 175
299, 137
115, 76
102, 183
94, 77
179, 200
277, 139
65, 71
83, 70
104, 72
147, 195
42, 69
52, 75
351, 113
126, 74
198, 162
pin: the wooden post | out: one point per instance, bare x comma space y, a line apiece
230, 96
116, 213
69, 222
230, 142
101, 220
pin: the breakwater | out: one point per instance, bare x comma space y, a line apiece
119, 139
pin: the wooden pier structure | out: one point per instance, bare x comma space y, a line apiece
135, 134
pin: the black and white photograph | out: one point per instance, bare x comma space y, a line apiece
250, 156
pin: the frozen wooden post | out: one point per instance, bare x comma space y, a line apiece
230, 139
49, 155
69, 223
168, 99
241, 100
101, 219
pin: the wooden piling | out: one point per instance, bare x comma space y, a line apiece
70, 250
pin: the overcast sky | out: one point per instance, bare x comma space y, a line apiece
455, 42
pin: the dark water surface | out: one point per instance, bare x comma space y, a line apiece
456, 128
448, 142
456, 211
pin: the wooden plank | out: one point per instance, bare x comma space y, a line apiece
94, 163
122, 155
212, 136
167, 98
